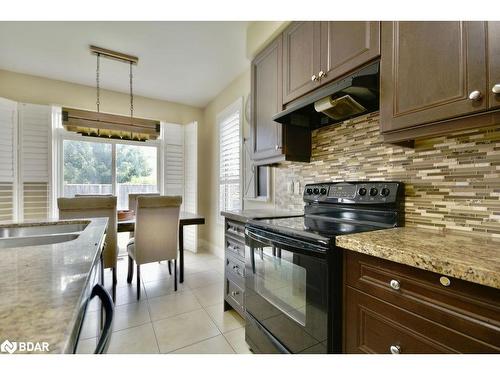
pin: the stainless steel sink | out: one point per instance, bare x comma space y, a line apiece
41, 230
36, 240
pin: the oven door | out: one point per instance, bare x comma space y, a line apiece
286, 294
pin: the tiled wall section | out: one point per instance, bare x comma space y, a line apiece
451, 181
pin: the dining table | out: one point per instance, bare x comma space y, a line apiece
185, 218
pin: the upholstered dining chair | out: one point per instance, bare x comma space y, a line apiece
93, 195
95, 206
132, 199
132, 205
155, 238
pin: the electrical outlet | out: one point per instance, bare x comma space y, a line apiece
289, 187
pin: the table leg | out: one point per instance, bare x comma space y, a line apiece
181, 253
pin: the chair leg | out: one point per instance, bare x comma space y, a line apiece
115, 281
170, 267
175, 274
138, 282
130, 273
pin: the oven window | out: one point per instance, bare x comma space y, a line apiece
281, 280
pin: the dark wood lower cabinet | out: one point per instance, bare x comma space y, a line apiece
234, 266
393, 308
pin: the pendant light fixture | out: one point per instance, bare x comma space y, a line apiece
108, 125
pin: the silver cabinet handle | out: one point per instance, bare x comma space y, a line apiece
321, 74
395, 349
395, 284
496, 88
475, 95
276, 147
314, 78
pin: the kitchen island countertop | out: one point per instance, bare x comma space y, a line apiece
43, 287
472, 258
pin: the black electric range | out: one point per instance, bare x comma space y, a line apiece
293, 270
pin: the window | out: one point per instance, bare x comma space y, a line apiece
136, 171
88, 169
229, 123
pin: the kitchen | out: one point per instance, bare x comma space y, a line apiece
337, 194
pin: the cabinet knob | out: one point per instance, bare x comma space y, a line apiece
321, 74
444, 281
395, 349
276, 147
496, 89
475, 95
314, 78
234, 293
395, 284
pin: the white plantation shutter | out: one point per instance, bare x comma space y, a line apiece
8, 159
35, 126
230, 157
191, 183
173, 159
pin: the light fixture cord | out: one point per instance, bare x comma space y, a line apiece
131, 96
98, 101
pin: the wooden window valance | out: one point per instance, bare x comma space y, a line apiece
106, 125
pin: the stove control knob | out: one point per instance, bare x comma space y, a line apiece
323, 191
316, 191
362, 191
309, 191
373, 191
385, 192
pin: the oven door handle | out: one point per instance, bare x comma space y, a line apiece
107, 303
279, 244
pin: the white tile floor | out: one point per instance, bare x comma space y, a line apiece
190, 320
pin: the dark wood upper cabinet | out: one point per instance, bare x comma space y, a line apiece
266, 101
347, 45
271, 143
494, 63
431, 71
315, 53
301, 44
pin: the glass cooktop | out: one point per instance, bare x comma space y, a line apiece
321, 228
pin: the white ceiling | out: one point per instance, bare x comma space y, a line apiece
183, 62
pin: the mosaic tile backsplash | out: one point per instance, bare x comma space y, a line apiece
451, 182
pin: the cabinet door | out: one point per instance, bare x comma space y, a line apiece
428, 71
267, 101
347, 45
494, 63
301, 44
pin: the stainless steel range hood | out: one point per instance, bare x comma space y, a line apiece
340, 100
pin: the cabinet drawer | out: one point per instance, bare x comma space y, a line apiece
234, 295
235, 229
235, 248
374, 326
471, 309
234, 266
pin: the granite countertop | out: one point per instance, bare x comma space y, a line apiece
42, 287
468, 257
246, 215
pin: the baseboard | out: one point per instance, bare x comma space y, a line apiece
209, 247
